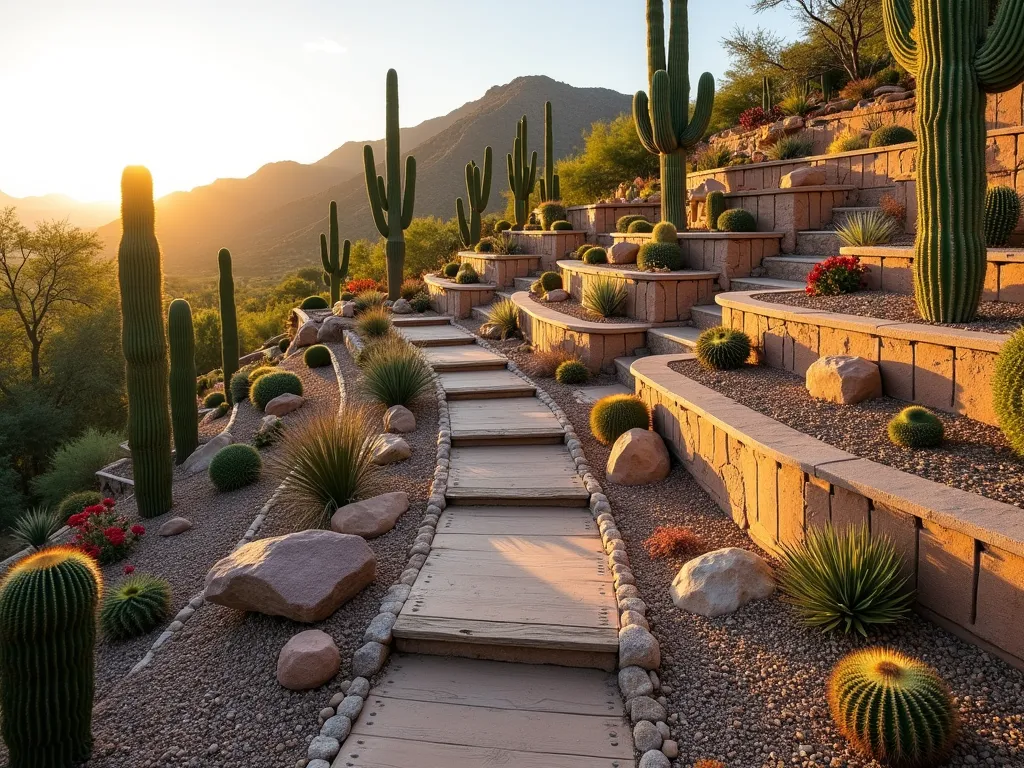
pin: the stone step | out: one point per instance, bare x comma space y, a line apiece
671, 341
482, 385
529, 475
817, 243
463, 357
402, 322
842, 213
706, 316
791, 267
764, 283
622, 372
523, 283
512, 421
436, 335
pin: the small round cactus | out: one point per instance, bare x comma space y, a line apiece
616, 414
658, 255
135, 607
214, 399
1002, 212
316, 356
1008, 390
737, 220
665, 232
313, 302
640, 226
466, 275
888, 135
561, 226
235, 466
572, 372
583, 249
271, 385
485, 246
722, 348
595, 255
550, 281
893, 708
502, 225
916, 427
451, 269
623, 222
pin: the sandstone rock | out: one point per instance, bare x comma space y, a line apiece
721, 582
348, 309
307, 334
843, 379
793, 123
332, 330
638, 648
175, 526
201, 457
371, 518
284, 404
308, 660
401, 307
304, 576
399, 419
700, 192
623, 253
891, 97
557, 294
638, 457
390, 449
490, 331
810, 176
884, 89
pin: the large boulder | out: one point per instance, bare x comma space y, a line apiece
391, 448
332, 330
401, 307
843, 379
372, 517
623, 253
809, 176
304, 576
399, 420
308, 660
556, 294
638, 457
721, 582
284, 404
700, 192
307, 334
199, 460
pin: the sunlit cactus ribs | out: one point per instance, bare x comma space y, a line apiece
391, 209
334, 257
550, 189
522, 176
956, 58
184, 413
663, 120
228, 319
478, 190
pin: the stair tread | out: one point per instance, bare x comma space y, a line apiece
795, 257
685, 334
770, 282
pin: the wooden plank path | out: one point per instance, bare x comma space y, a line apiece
479, 385
522, 420
463, 357
436, 335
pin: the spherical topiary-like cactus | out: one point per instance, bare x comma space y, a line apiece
595, 255
722, 348
47, 665
572, 372
640, 226
654, 255
239, 386
893, 708
665, 232
888, 135
271, 385
451, 269
583, 249
623, 222
135, 607
1002, 212
214, 399
235, 466
317, 356
260, 370
613, 415
284, 343
916, 427
551, 212
313, 302
76, 502
714, 206
1008, 390
561, 226
550, 281
486, 245
467, 275
737, 220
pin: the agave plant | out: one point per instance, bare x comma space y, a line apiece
790, 148
863, 228
505, 315
506, 245
36, 527
605, 298
395, 374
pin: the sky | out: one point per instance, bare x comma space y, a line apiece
205, 89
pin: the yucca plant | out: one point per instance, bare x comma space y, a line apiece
396, 374
790, 148
844, 580
325, 462
605, 298
505, 315
797, 104
862, 228
368, 300
36, 527
135, 607
374, 323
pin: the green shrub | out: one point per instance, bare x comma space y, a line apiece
420, 302
346, 296
862, 228
916, 427
655, 255
623, 222
505, 315
796, 104
316, 356
737, 220
235, 466
844, 580
790, 148
1008, 390
888, 76
888, 135
893, 708
283, 344
572, 372
410, 287
848, 141
74, 464
260, 370
714, 206
374, 323
214, 399
451, 269
561, 226
239, 386
467, 275
314, 302
722, 348
665, 232
551, 212
605, 297
35, 527
1002, 212
550, 281
220, 411
136, 606
271, 385
395, 374
502, 225
640, 226
74, 503
615, 415
583, 249
486, 245
366, 300
595, 255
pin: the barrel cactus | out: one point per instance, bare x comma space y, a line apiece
184, 414
478, 190
235, 466
562, 226
572, 372
614, 415
271, 385
661, 256
522, 175
665, 232
467, 275
316, 356
623, 222
722, 348
334, 256
916, 427
736, 220
48, 605
595, 255
714, 206
888, 135
550, 281
640, 227
1008, 390
135, 607
314, 302
451, 269
228, 318
1002, 212
893, 708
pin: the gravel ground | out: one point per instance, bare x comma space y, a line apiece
975, 457
749, 689
573, 308
993, 316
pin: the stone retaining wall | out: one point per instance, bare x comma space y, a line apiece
500, 269
549, 246
963, 553
792, 210
455, 299
601, 218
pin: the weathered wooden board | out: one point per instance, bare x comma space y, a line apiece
409, 320
517, 521
470, 385
520, 419
453, 358
541, 547
537, 474
436, 335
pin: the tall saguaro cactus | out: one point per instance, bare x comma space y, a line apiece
522, 176
957, 57
144, 345
392, 211
663, 120
184, 413
228, 321
549, 187
478, 190
334, 257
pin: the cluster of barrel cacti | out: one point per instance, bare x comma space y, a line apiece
478, 190
334, 256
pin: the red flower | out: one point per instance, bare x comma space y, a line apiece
114, 535
92, 550
138, 530
108, 503
129, 569
95, 509
77, 520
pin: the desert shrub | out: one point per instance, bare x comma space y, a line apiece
420, 302
214, 399
219, 412
755, 117
604, 297
572, 372
836, 275
623, 222
916, 427
235, 466
396, 375
561, 226
737, 220
505, 315
356, 287
374, 323
367, 300
674, 541
722, 348
583, 249
35, 527
863, 228
76, 502
615, 415
641, 226
550, 212
545, 363
1008, 390
451, 269
502, 225
346, 296
135, 606
888, 135
710, 157
410, 287
857, 90
239, 386
797, 104
467, 275
790, 148
314, 302
74, 464
272, 385
104, 534
844, 580
550, 281
847, 141
486, 245
888, 76
316, 356
892, 208
268, 434
595, 255
665, 232
1002, 212
656, 255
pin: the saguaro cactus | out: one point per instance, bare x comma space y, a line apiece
956, 57
228, 321
663, 121
392, 211
144, 345
766, 94
478, 190
522, 177
184, 413
549, 187
334, 257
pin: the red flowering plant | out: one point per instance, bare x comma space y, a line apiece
755, 117
360, 285
103, 534
836, 275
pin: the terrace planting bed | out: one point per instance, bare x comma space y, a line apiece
601, 218
457, 299
550, 246
792, 210
499, 268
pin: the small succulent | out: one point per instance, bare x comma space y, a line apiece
235, 466
550, 281
1002, 212
916, 427
561, 226
722, 348
615, 415
420, 302
572, 372
622, 225
135, 607
271, 385
317, 356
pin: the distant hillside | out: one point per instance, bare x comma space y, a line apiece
271, 220
45, 207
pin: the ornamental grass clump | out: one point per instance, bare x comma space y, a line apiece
615, 415
505, 315
316, 356
572, 372
605, 297
395, 374
35, 527
235, 466
374, 323
847, 580
916, 427
893, 708
660, 256
271, 385
367, 300
545, 363
410, 287
836, 275
103, 534
866, 228
595, 255
790, 148
1008, 390
136, 606
722, 348
313, 302
848, 141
